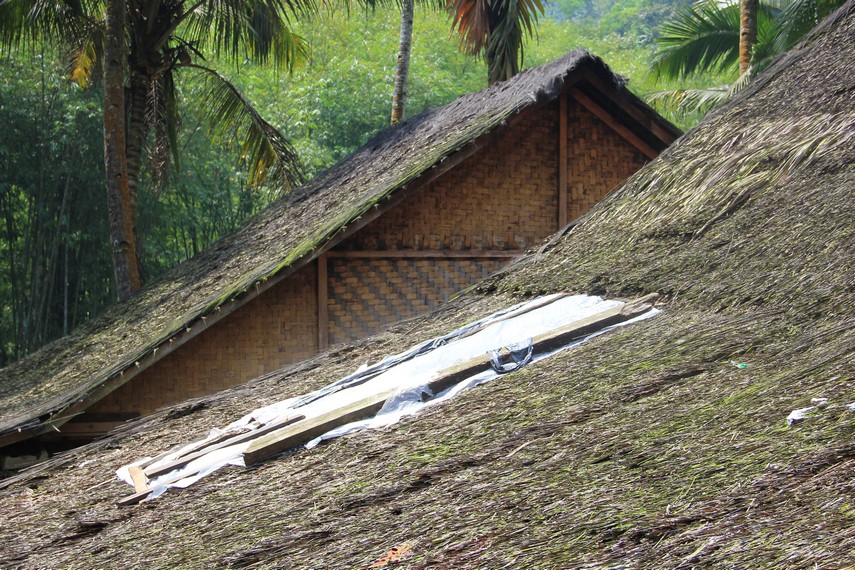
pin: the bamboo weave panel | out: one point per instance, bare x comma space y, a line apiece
367, 294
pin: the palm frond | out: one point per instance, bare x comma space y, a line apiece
799, 17
684, 102
28, 22
258, 30
496, 28
472, 21
506, 49
84, 58
702, 38
231, 119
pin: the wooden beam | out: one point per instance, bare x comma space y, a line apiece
157, 471
622, 130
667, 133
323, 304
302, 432
562, 160
82, 430
140, 495
143, 490
422, 254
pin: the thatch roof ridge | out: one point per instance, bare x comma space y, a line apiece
658, 446
279, 238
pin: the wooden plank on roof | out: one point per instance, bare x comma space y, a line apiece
140, 495
305, 431
191, 448
270, 443
138, 477
302, 432
156, 471
606, 117
562, 160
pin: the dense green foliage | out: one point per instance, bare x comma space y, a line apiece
55, 268
54, 218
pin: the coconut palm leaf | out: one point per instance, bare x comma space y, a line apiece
798, 18
686, 102
702, 38
506, 49
231, 119
24, 22
257, 30
496, 28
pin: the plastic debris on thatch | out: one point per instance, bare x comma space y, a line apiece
799, 415
399, 385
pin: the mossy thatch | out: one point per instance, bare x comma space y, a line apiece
46, 387
661, 445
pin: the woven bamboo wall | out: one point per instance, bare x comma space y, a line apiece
598, 159
503, 198
367, 294
278, 327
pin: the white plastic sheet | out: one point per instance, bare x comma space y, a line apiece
408, 372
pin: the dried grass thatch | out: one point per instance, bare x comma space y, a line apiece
647, 447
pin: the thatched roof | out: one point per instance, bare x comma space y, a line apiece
647, 447
46, 388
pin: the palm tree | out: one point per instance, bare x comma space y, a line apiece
165, 41
402, 67
738, 39
496, 28
747, 32
125, 260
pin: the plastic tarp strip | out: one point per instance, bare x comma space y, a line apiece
407, 376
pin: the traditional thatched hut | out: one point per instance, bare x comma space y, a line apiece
665, 445
423, 210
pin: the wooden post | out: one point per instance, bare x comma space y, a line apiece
323, 314
562, 160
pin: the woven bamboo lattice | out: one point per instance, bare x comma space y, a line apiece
504, 198
277, 328
366, 294
598, 159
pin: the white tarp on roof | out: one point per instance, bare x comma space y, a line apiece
408, 373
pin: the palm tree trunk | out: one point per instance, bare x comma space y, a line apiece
137, 132
115, 155
402, 70
747, 32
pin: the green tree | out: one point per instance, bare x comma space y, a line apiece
165, 40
